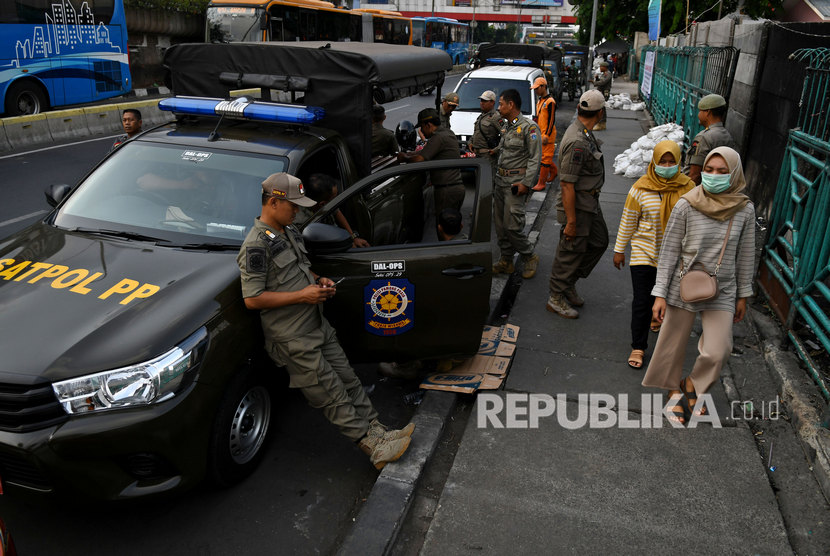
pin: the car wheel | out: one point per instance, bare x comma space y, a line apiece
240, 430
23, 98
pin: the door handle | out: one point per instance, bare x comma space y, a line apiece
463, 272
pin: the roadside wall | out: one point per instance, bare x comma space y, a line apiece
763, 104
150, 33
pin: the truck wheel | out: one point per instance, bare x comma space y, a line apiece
240, 430
24, 97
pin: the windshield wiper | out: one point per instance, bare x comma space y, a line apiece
208, 246
119, 233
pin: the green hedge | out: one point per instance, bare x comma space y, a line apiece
184, 6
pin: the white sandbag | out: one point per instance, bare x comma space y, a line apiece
646, 143
676, 136
635, 171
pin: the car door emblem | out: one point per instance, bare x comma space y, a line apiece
389, 307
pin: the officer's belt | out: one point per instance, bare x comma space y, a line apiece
483, 152
591, 192
513, 172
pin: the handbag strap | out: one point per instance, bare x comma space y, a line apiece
723, 247
720, 258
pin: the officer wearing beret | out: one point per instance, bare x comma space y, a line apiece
383, 140
442, 144
520, 156
584, 235
602, 83
277, 280
711, 113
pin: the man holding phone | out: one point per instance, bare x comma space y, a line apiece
278, 282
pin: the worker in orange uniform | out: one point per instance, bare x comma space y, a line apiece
546, 118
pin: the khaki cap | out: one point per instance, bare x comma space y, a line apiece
711, 101
451, 98
285, 186
488, 95
428, 115
592, 100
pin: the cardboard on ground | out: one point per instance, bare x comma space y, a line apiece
484, 371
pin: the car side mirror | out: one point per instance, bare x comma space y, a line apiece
325, 239
55, 193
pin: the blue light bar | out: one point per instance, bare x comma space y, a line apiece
243, 108
509, 61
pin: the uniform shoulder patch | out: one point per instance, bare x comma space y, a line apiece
255, 259
693, 148
578, 155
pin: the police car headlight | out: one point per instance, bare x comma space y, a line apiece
144, 383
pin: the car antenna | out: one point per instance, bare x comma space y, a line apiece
214, 135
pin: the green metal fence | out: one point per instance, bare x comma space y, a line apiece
795, 271
682, 75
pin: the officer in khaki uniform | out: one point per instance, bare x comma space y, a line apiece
711, 112
448, 104
442, 144
486, 130
277, 280
584, 235
519, 158
603, 84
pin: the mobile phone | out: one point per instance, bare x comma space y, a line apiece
338, 281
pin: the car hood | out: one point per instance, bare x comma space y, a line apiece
84, 320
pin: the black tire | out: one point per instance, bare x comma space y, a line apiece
241, 429
23, 98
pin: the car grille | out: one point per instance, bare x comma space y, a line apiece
21, 472
26, 408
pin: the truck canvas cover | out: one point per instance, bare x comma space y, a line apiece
344, 78
536, 53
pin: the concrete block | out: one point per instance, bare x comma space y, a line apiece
67, 124
4, 141
103, 120
150, 114
24, 131
746, 68
748, 36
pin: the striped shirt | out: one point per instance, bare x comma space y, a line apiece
697, 238
640, 224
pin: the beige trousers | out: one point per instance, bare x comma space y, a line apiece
715, 345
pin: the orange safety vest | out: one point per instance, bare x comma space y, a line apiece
546, 118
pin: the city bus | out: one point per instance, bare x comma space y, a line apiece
61, 52
444, 33
301, 20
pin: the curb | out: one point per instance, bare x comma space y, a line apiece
378, 523
795, 387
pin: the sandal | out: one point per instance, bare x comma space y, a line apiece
678, 411
635, 360
691, 397
655, 325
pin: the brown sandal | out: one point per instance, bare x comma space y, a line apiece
635, 360
691, 397
655, 325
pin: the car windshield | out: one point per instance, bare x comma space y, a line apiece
178, 193
471, 88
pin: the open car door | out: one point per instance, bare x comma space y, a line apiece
408, 296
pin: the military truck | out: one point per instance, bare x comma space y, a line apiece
131, 366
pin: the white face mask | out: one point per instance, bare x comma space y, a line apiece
715, 183
666, 171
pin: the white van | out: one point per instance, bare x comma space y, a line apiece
496, 79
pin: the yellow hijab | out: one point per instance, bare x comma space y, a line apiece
722, 206
670, 189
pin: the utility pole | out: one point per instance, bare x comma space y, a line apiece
590, 68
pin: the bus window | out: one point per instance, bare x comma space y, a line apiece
233, 24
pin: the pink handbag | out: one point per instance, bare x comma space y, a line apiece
698, 284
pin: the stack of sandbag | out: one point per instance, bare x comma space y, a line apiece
634, 161
623, 101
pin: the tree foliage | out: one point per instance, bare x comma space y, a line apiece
622, 18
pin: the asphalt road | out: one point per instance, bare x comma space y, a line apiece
302, 498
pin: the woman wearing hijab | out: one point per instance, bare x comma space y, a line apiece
695, 234
646, 212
